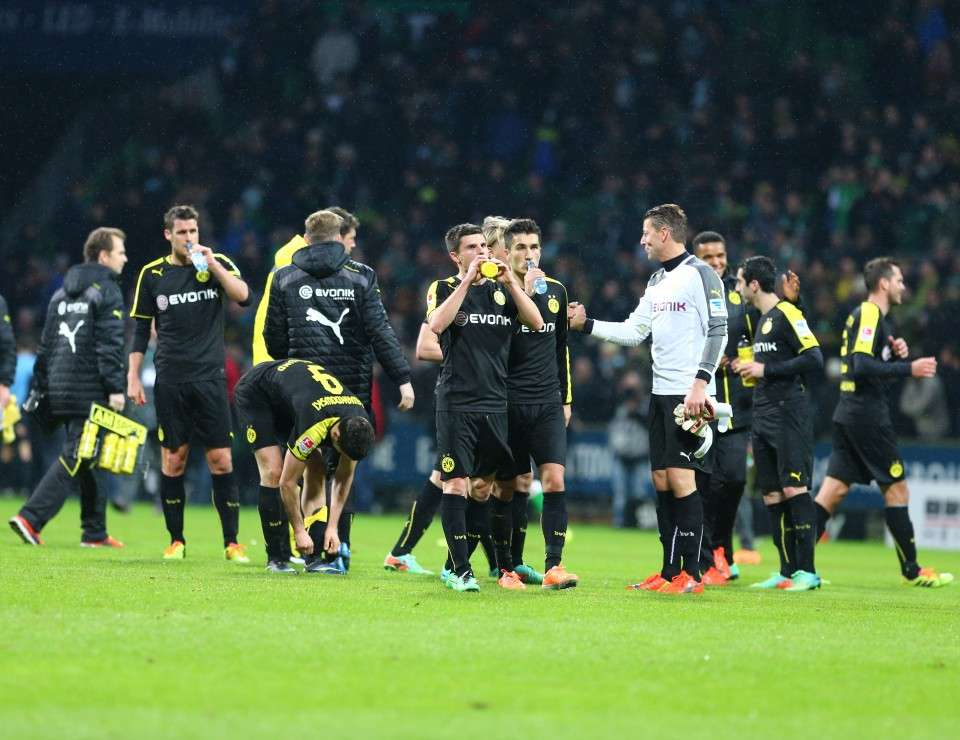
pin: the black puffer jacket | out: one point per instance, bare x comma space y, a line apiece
80, 359
326, 308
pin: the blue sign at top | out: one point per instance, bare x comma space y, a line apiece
97, 35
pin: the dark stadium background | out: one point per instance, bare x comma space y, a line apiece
820, 133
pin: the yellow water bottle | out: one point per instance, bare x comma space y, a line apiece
130, 450
745, 353
87, 447
108, 451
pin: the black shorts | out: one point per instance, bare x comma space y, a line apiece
537, 430
730, 457
670, 445
472, 444
193, 413
264, 426
864, 453
783, 449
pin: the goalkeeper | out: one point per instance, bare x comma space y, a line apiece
684, 311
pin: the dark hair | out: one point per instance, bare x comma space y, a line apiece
179, 213
356, 437
708, 237
762, 270
455, 234
877, 269
101, 240
672, 216
520, 226
349, 221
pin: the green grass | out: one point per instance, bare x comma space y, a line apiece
119, 644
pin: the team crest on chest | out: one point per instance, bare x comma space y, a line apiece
553, 304
499, 297
734, 298
203, 277
767, 326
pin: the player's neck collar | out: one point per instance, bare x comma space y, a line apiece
673, 262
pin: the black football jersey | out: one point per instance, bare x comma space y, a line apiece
475, 346
863, 399
539, 362
783, 334
187, 308
306, 396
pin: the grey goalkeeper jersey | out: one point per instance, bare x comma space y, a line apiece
685, 312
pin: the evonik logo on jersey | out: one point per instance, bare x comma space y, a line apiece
764, 346
193, 296
548, 327
462, 319
668, 306
77, 307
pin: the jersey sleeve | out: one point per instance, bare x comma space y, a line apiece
629, 333
438, 292
144, 305
8, 346
376, 324
563, 350
228, 264
800, 336
712, 306
866, 338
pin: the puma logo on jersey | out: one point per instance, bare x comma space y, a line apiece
70, 335
118, 314
798, 476
158, 272
686, 456
314, 315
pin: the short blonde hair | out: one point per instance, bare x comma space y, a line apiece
493, 228
322, 226
101, 240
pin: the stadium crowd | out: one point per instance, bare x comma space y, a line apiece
817, 137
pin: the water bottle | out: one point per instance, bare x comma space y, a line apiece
745, 353
539, 285
198, 260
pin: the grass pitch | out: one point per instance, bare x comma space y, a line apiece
119, 644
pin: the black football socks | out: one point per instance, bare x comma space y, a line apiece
688, 512
553, 524
804, 518
901, 529
273, 520
226, 497
779, 526
454, 520
172, 496
501, 530
521, 517
421, 516
823, 516
666, 526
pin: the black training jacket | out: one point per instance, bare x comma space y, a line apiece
326, 308
80, 359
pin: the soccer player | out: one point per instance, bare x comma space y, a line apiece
473, 316
187, 306
684, 311
325, 308
538, 405
301, 403
729, 476
785, 350
864, 442
79, 363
